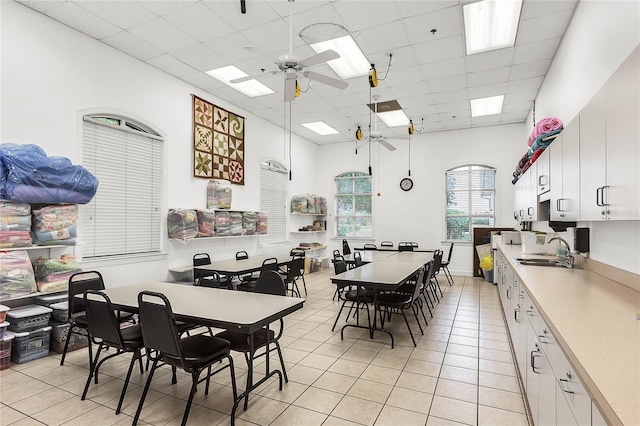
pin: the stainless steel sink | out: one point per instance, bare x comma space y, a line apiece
542, 262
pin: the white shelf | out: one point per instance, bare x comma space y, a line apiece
35, 247
314, 248
308, 214
214, 238
4, 299
307, 232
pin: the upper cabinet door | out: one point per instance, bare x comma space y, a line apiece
543, 183
569, 204
622, 192
592, 158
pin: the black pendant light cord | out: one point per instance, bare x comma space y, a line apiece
409, 155
370, 132
290, 141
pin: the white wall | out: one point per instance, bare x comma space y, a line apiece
51, 74
601, 36
418, 215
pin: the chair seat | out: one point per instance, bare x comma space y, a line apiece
240, 341
444, 263
394, 299
198, 351
132, 337
358, 295
80, 321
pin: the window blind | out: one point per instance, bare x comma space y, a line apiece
124, 218
273, 201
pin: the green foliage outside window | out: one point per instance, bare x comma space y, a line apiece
353, 205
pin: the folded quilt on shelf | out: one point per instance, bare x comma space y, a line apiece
182, 224
16, 274
545, 125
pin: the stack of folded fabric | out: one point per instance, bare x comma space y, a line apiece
56, 224
235, 223
182, 224
249, 223
544, 132
206, 223
222, 224
15, 224
543, 127
261, 223
16, 274
53, 274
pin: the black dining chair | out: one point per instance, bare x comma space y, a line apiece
78, 284
339, 266
395, 302
193, 354
205, 278
336, 253
104, 329
295, 272
437, 260
444, 266
269, 264
270, 282
358, 297
345, 248
357, 259
370, 246
386, 244
404, 246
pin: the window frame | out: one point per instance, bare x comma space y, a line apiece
470, 190
281, 217
353, 175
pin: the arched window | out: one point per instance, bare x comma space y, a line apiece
354, 217
125, 217
470, 200
273, 200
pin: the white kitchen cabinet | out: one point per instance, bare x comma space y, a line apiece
596, 416
564, 169
610, 148
526, 196
543, 183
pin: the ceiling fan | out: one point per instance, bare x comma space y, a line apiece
291, 66
374, 135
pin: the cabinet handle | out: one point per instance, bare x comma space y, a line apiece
558, 205
603, 194
508, 293
521, 213
598, 192
541, 339
515, 215
532, 360
530, 211
540, 180
562, 381
515, 315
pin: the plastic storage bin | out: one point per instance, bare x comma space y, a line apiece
3, 328
5, 351
59, 332
3, 312
27, 318
50, 299
30, 345
60, 311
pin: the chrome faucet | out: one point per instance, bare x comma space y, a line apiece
566, 261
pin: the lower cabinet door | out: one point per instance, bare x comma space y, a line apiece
564, 416
546, 392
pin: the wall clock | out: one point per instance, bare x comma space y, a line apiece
406, 184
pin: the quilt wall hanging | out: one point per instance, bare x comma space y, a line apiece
218, 142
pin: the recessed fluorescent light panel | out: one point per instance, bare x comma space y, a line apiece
251, 88
486, 106
321, 128
394, 118
351, 63
490, 24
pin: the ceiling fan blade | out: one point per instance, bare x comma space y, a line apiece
386, 144
333, 82
254, 77
289, 88
319, 58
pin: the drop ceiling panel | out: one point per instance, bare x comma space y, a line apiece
446, 23
525, 84
447, 84
536, 51
489, 60
132, 45
163, 35
199, 57
439, 50
409, 90
83, 20
377, 40
199, 22
543, 27
530, 69
446, 68
359, 16
450, 96
162, 7
272, 37
258, 12
488, 90
124, 14
532, 9
483, 78
171, 65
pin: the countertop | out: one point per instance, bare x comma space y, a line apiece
593, 320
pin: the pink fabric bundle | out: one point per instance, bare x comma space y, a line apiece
546, 125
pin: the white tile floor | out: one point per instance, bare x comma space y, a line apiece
461, 372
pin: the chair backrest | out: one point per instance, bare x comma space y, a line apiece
78, 284
297, 251
414, 244
336, 253
449, 255
386, 244
158, 324
419, 279
101, 319
295, 268
345, 247
370, 247
437, 260
270, 282
242, 255
209, 279
339, 265
405, 247
200, 259
357, 259
430, 270
269, 264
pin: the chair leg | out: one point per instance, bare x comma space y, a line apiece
145, 391
194, 383
414, 309
66, 346
408, 327
174, 376
284, 370
136, 355
304, 284
338, 317
92, 371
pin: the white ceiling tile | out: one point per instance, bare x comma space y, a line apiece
273, 100
454, 124
525, 84
283, 8
449, 67
162, 34
489, 60
377, 40
543, 27
401, 76
200, 57
248, 104
483, 78
412, 8
447, 23
229, 94
402, 57
199, 22
271, 37
434, 127
318, 23
486, 120
258, 12
132, 45
410, 90
125, 14
536, 51
453, 106
204, 81
488, 90
344, 101
534, 8
517, 107
434, 51
517, 97
171, 65
450, 96
447, 84
230, 47
530, 69
82, 20
424, 101
515, 117
162, 7
42, 6
358, 16
417, 114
